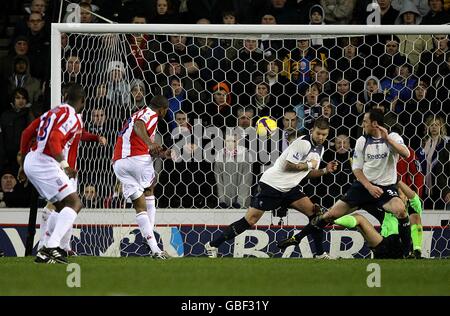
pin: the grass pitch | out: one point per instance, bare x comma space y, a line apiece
225, 276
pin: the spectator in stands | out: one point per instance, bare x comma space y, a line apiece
338, 182
309, 109
86, 13
211, 10
412, 46
117, 200
118, 89
13, 121
72, 69
322, 77
282, 11
383, 66
328, 112
249, 65
290, 123
98, 123
164, 13
219, 112
388, 13
233, 174
401, 87
276, 82
436, 15
415, 111
177, 45
421, 5
351, 63
231, 46
178, 101
39, 42
443, 180
12, 193
89, 197
442, 82
20, 47
338, 12
21, 78
138, 93
435, 141
263, 101
431, 62
372, 87
229, 17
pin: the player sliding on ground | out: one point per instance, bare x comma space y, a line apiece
375, 168
279, 186
133, 166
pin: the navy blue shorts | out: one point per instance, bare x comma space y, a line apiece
358, 196
389, 248
269, 199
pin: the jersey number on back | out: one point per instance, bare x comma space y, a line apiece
42, 133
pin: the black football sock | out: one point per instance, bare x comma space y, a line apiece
317, 236
404, 230
231, 231
314, 225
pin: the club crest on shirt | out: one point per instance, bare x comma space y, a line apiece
59, 182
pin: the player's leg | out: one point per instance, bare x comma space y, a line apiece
251, 218
150, 201
48, 221
65, 219
340, 208
414, 208
267, 199
305, 206
143, 222
369, 233
396, 206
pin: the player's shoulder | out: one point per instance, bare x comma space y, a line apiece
301, 141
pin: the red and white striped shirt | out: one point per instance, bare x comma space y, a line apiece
128, 143
70, 151
57, 130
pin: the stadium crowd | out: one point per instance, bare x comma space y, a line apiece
231, 83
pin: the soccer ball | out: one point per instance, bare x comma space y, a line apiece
266, 126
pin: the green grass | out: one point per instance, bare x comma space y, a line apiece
226, 276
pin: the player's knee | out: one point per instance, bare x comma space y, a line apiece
149, 191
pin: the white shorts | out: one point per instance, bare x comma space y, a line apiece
48, 178
135, 173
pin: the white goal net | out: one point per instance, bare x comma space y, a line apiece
219, 81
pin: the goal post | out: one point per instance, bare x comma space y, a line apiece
231, 75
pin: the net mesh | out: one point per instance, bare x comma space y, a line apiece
219, 86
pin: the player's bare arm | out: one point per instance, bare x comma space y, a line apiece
301, 166
401, 149
141, 131
330, 168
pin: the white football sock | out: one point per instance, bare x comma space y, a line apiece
146, 231
151, 210
65, 221
65, 241
44, 219
51, 223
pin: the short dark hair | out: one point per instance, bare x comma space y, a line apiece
376, 115
159, 102
321, 123
74, 93
22, 91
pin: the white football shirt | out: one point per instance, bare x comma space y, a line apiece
377, 159
300, 150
